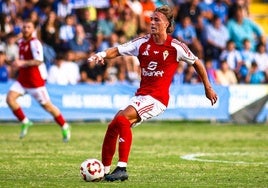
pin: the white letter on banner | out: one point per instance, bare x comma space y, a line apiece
72, 101
97, 101
3, 101
120, 101
171, 103
25, 101
194, 101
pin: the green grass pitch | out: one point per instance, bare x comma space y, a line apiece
225, 155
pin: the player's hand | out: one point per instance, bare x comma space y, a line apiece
18, 63
98, 58
211, 95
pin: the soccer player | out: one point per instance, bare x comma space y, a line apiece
159, 55
31, 80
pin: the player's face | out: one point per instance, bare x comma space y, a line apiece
27, 30
159, 23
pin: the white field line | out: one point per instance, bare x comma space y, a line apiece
195, 157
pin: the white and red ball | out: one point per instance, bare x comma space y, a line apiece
92, 170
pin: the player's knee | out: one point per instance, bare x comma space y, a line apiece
49, 107
123, 120
10, 99
131, 116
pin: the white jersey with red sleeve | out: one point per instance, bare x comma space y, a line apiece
158, 63
31, 76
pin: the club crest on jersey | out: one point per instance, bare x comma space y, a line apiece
26, 47
165, 54
146, 53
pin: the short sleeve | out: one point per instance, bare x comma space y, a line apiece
183, 52
132, 48
37, 50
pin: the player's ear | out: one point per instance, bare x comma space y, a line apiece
167, 24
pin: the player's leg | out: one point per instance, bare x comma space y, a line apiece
109, 145
141, 108
122, 123
58, 117
41, 95
16, 90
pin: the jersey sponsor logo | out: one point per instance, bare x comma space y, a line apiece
152, 73
151, 70
156, 52
152, 65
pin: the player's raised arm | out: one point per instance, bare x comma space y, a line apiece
99, 57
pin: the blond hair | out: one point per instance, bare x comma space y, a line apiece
168, 12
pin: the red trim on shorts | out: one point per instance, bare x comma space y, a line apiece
145, 109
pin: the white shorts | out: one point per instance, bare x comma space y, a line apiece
146, 107
40, 93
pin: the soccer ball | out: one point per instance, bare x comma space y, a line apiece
92, 170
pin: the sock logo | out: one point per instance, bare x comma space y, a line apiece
121, 140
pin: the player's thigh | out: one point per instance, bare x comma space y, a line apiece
130, 113
16, 90
40, 94
146, 107
16, 87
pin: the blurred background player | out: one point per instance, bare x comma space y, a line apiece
31, 80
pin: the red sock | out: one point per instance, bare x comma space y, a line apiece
19, 114
125, 138
109, 143
60, 120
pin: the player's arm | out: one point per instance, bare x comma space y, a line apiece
32, 62
26, 63
184, 54
200, 69
99, 57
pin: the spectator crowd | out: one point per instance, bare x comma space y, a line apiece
221, 33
